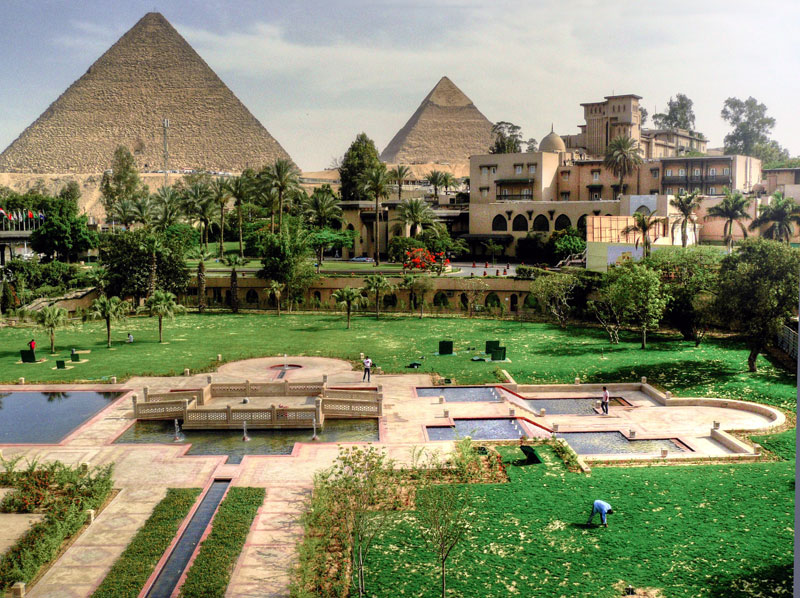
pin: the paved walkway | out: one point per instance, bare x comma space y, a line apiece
144, 472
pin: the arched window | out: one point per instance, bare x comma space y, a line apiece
513, 302
440, 300
390, 300
520, 223
530, 301
563, 222
492, 300
464, 301
318, 296
644, 210
251, 296
582, 226
499, 223
540, 224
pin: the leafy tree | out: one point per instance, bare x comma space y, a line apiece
162, 304
322, 208
750, 125
608, 306
645, 297
275, 289
643, 225
64, 234
124, 212
420, 285
152, 245
566, 242
531, 145
376, 184
378, 285
770, 152
474, 289
168, 208
414, 213
758, 291
733, 209
143, 211
51, 317
622, 158
201, 255
234, 261
783, 163
643, 115
686, 205
554, 293
110, 309
221, 193
359, 158
399, 246
689, 276
399, 174
286, 260
240, 188
779, 216
437, 240
348, 299
443, 515
679, 114
507, 138
122, 182
324, 239
493, 248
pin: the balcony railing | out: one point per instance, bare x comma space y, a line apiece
515, 197
673, 180
722, 179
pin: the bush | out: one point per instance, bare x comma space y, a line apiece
398, 247
182, 235
527, 272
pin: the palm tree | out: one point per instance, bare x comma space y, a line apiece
234, 261
198, 203
376, 183
285, 178
686, 204
167, 206
622, 158
436, 178
143, 211
399, 174
642, 225
201, 256
221, 194
322, 207
348, 299
781, 213
240, 189
414, 213
379, 285
152, 245
448, 180
124, 212
733, 209
162, 304
275, 289
109, 309
266, 196
51, 317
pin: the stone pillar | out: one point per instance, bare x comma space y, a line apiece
18, 590
631, 434
134, 400
146, 393
555, 428
441, 399
273, 413
511, 411
113, 379
90, 515
219, 356
228, 414
318, 410
324, 379
668, 395
644, 379
577, 380
542, 412
186, 372
285, 388
664, 453
446, 413
247, 388
715, 426
22, 381
757, 449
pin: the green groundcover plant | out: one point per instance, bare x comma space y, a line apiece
133, 568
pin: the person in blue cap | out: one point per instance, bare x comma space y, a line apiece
602, 507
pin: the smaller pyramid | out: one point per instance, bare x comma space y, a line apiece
447, 127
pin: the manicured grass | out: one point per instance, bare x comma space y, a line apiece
783, 444
690, 531
211, 571
131, 571
538, 353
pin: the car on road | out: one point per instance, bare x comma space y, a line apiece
361, 258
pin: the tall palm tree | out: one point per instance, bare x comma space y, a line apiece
399, 174
322, 207
143, 211
152, 244
124, 212
109, 309
622, 158
781, 214
378, 285
686, 204
348, 299
221, 194
733, 209
266, 196
376, 183
436, 179
285, 178
414, 213
240, 188
198, 204
275, 289
201, 256
162, 304
448, 180
51, 317
167, 207
234, 261
642, 226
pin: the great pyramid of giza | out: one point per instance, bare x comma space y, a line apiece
149, 75
447, 127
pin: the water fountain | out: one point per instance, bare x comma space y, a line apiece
245, 437
179, 437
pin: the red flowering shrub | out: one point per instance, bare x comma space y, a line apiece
423, 260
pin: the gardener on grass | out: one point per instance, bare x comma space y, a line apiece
602, 507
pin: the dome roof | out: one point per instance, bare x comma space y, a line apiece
552, 143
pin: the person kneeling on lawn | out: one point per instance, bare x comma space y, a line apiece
602, 507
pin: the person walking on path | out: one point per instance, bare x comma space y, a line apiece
367, 369
602, 507
605, 401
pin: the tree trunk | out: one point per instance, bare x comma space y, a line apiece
221, 231
280, 211
621, 182
684, 234
644, 337
241, 245
108, 331
205, 234
377, 306
52, 341
234, 292
151, 284
377, 234
201, 286
160, 329
278, 304
421, 305
444, 581
751, 359
272, 220
348, 316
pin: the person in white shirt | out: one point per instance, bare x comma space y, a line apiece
605, 401
367, 369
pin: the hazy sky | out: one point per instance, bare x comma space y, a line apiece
317, 73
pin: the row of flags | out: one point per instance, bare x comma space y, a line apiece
21, 214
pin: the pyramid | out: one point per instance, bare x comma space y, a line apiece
149, 75
447, 127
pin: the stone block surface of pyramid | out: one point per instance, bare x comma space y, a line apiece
149, 75
447, 127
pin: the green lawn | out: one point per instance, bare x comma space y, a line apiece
714, 531
537, 352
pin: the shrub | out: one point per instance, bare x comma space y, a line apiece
399, 246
